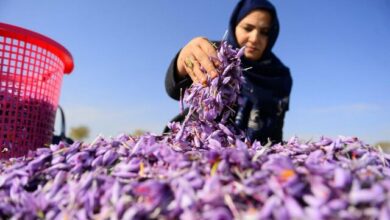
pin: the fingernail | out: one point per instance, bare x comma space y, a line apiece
203, 81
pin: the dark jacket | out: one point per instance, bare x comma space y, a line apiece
266, 93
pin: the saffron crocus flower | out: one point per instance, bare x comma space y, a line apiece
294, 210
374, 195
217, 213
154, 194
271, 204
342, 177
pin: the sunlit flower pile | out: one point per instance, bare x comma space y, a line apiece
203, 169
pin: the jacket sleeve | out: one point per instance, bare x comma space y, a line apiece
174, 86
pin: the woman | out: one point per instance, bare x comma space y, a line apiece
265, 94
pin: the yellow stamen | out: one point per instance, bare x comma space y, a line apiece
141, 169
214, 168
41, 214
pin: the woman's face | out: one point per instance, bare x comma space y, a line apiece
252, 32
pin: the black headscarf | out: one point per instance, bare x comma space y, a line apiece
243, 8
269, 72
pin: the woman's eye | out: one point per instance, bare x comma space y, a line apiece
248, 29
264, 32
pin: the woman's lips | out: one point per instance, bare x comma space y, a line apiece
251, 49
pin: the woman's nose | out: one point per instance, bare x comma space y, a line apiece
254, 36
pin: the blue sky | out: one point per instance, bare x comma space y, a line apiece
339, 56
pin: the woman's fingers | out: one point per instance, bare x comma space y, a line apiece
199, 73
211, 51
198, 59
193, 69
203, 57
189, 67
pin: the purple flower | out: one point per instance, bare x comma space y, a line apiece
342, 178
154, 194
219, 213
373, 195
337, 204
294, 210
271, 204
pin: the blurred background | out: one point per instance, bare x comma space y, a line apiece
338, 54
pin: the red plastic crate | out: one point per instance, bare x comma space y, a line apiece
31, 71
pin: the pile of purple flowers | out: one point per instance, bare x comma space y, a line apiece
211, 106
202, 170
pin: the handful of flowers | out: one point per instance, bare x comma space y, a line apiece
202, 170
210, 106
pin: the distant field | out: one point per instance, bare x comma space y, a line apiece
384, 145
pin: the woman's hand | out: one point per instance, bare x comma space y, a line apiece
197, 54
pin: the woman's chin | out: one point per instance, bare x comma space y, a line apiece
252, 56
